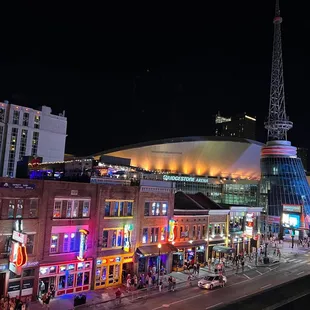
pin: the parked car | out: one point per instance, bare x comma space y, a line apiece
210, 282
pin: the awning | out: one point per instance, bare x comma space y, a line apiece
152, 250
223, 249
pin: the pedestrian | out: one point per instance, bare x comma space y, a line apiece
160, 285
118, 295
174, 282
242, 265
198, 267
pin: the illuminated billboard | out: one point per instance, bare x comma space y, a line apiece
291, 220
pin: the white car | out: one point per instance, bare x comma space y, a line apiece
211, 281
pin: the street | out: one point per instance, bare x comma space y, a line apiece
239, 286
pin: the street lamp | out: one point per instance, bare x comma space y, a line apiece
159, 247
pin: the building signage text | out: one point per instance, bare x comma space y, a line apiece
16, 185
291, 208
184, 178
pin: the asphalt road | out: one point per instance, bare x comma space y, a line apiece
238, 287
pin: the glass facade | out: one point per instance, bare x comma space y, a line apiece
213, 191
240, 194
283, 182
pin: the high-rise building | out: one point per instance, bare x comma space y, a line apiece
28, 132
239, 126
283, 180
302, 153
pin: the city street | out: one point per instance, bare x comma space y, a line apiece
239, 286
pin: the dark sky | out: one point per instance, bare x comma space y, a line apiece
126, 75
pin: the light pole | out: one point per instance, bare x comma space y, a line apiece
159, 247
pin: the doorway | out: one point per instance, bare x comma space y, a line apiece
2, 283
44, 285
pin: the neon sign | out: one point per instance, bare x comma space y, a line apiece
127, 236
83, 243
171, 230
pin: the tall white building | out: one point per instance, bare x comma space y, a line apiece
28, 132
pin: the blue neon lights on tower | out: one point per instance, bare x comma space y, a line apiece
283, 179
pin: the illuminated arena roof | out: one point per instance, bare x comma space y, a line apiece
207, 156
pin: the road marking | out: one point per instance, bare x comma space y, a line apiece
269, 268
298, 261
300, 273
308, 263
250, 267
258, 272
191, 297
291, 260
306, 254
247, 276
214, 305
165, 306
265, 286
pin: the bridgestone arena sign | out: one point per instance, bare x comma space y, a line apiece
184, 179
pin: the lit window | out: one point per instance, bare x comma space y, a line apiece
85, 212
164, 208
57, 209
54, 243
11, 209
19, 209
129, 209
153, 208
145, 235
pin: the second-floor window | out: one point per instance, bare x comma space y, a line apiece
118, 208
155, 208
145, 237
71, 208
65, 242
15, 208
154, 234
112, 238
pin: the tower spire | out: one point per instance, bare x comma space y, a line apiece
277, 123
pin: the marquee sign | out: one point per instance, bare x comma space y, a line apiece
167, 177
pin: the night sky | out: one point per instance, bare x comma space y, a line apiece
126, 75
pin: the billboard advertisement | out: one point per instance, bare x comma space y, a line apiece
291, 220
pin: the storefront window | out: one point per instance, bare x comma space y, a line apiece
68, 277
79, 279
28, 273
86, 278
62, 283
80, 266
70, 280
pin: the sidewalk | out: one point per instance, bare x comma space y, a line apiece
65, 302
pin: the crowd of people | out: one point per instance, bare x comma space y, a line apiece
7, 303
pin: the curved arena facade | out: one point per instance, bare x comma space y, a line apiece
202, 156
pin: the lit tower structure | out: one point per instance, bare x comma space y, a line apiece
284, 187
